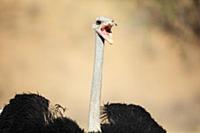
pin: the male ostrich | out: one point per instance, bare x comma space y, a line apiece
31, 113
102, 29
121, 118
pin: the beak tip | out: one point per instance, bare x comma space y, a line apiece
110, 42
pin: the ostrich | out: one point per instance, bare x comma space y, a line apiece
102, 29
32, 113
119, 116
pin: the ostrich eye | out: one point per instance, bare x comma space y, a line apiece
98, 22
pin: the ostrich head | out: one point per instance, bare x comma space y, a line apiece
103, 27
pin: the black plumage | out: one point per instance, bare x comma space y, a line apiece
123, 118
30, 113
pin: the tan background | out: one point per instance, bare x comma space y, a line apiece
47, 46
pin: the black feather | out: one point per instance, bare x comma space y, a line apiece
123, 118
30, 113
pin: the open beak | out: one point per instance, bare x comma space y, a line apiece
105, 30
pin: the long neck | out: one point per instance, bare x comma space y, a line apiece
95, 97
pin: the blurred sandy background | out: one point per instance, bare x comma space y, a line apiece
48, 47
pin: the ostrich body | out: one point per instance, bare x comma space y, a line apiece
32, 113
102, 32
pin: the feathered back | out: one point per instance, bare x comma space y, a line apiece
30, 113
25, 112
123, 118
